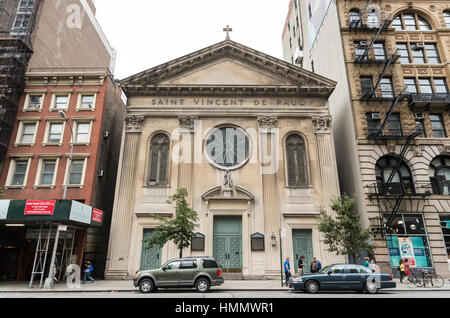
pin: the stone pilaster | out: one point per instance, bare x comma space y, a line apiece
120, 235
268, 125
186, 165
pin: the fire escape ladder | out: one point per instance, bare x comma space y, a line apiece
386, 66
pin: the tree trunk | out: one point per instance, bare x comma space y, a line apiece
180, 247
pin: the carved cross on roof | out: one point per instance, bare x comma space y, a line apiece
228, 30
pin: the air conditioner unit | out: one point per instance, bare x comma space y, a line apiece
418, 46
363, 44
106, 134
101, 173
419, 116
298, 56
35, 107
376, 116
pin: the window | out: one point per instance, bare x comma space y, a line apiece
55, 132
420, 128
20, 168
228, 147
395, 126
447, 19
61, 102
387, 90
439, 173
210, 263
76, 172
418, 54
296, 161
425, 86
410, 22
401, 181
337, 269
190, 264
445, 226
355, 19
159, 160
48, 172
35, 102
82, 132
404, 53
28, 133
173, 265
373, 124
360, 51
366, 85
440, 86
408, 239
87, 102
410, 84
437, 124
432, 53
379, 51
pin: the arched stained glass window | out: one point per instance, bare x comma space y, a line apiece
439, 173
401, 182
159, 159
296, 161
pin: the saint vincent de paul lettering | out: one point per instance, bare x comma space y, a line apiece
225, 102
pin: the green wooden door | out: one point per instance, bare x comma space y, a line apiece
303, 247
151, 258
228, 242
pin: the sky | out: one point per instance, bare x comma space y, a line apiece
147, 33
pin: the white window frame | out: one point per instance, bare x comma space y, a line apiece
76, 122
75, 157
26, 105
12, 169
20, 131
47, 132
53, 103
80, 98
37, 182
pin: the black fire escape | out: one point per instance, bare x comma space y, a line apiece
388, 195
16, 26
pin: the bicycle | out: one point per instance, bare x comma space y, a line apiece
412, 280
433, 279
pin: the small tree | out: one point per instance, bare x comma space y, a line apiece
178, 230
344, 234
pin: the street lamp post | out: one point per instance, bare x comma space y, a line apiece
51, 272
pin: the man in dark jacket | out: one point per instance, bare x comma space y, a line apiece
315, 265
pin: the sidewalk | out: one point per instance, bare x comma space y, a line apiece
127, 286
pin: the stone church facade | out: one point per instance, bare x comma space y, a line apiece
249, 137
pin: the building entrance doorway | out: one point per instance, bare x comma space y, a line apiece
302, 240
151, 258
228, 243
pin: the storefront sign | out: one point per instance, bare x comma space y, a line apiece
42, 207
4, 206
407, 250
80, 212
97, 215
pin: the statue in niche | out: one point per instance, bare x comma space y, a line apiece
228, 184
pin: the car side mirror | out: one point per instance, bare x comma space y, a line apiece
164, 268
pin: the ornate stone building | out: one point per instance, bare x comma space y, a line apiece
249, 137
391, 115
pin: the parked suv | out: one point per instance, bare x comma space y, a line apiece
198, 272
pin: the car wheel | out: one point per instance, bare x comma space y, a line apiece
202, 285
146, 286
371, 287
312, 287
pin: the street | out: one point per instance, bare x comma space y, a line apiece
183, 294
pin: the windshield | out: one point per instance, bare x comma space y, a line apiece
324, 269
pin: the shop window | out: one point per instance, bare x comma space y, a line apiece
408, 240
257, 242
198, 242
445, 226
439, 173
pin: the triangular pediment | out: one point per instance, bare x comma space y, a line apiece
227, 65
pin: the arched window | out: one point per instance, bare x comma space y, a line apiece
296, 161
409, 21
355, 18
159, 160
447, 19
402, 181
439, 173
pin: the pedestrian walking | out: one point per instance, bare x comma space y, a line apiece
301, 264
373, 264
401, 269
315, 265
88, 269
407, 268
287, 270
367, 262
